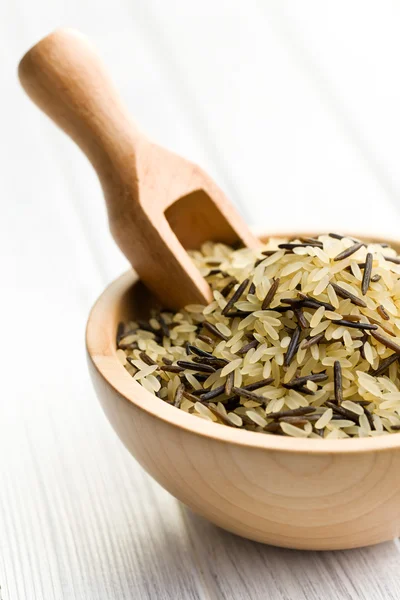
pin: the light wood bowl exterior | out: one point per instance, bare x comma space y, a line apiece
297, 493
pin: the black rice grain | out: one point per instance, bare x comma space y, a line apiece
270, 294
178, 395
292, 347
386, 342
367, 274
239, 391
348, 295
229, 383
212, 393
146, 359
349, 251
385, 364
244, 349
382, 312
171, 368
212, 329
337, 378
294, 412
235, 297
202, 368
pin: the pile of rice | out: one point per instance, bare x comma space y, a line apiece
302, 339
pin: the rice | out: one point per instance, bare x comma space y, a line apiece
307, 325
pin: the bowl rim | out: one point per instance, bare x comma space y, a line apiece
100, 346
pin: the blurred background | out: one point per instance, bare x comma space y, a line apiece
293, 108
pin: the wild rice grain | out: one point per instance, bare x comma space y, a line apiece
236, 296
163, 326
200, 367
370, 418
393, 259
244, 349
299, 381
367, 274
258, 384
206, 339
385, 364
250, 395
190, 396
302, 321
178, 395
270, 294
228, 288
292, 347
348, 295
382, 326
212, 393
301, 411
146, 359
308, 302
313, 340
382, 312
342, 411
229, 383
198, 351
291, 246
312, 242
386, 342
337, 371
356, 325
171, 368
295, 420
212, 329
349, 251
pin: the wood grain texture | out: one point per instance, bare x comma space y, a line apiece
89, 525
155, 199
260, 571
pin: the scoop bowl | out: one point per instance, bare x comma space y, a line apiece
290, 492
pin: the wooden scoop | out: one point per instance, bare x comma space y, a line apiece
158, 203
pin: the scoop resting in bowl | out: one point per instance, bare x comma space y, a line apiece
297, 493
300, 493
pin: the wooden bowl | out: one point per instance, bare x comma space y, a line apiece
296, 493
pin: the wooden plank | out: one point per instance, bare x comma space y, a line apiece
79, 518
243, 569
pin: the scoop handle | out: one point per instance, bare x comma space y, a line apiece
65, 77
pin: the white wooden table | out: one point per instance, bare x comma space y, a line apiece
294, 108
